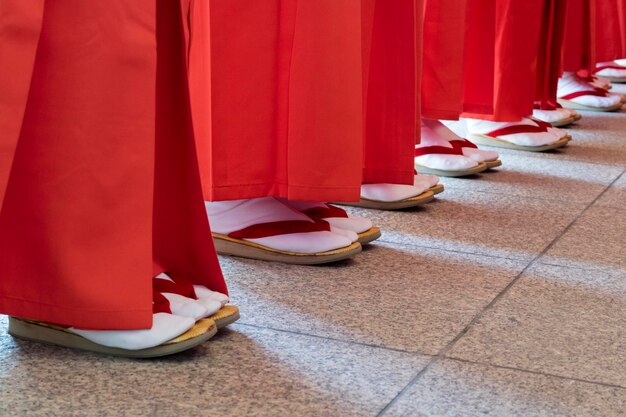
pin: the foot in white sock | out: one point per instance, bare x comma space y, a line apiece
527, 134
612, 71
576, 93
165, 327
437, 155
184, 301
337, 217
557, 117
275, 231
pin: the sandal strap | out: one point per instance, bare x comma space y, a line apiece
541, 127
326, 212
462, 143
614, 66
175, 287
160, 304
598, 92
261, 230
433, 150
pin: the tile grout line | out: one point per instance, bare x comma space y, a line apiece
442, 353
457, 188
530, 371
351, 342
430, 355
452, 250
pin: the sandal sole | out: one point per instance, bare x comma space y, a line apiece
369, 236
237, 247
437, 189
227, 315
441, 173
49, 334
565, 122
423, 198
493, 164
499, 143
571, 105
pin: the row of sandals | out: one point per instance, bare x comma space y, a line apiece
287, 126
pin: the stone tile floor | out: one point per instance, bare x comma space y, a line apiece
506, 297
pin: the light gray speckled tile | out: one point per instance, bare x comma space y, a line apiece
615, 196
245, 371
458, 389
484, 223
558, 320
530, 177
400, 297
597, 240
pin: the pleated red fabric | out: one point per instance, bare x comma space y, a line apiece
392, 67
98, 170
501, 58
610, 30
306, 99
550, 54
443, 59
579, 48
286, 99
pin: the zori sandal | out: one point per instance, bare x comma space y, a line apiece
267, 229
395, 196
242, 243
577, 93
428, 161
526, 135
611, 71
193, 335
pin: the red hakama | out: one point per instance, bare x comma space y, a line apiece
98, 169
308, 99
550, 54
501, 58
443, 59
610, 30
579, 48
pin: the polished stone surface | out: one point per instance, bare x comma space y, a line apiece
394, 296
493, 224
562, 321
597, 240
452, 388
245, 371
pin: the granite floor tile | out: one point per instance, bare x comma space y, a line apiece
244, 372
531, 177
558, 320
458, 389
597, 240
615, 196
400, 297
485, 223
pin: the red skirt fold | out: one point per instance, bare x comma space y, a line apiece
443, 58
550, 55
610, 30
392, 45
104, 182
579, 49
307, 99
501, 58
286, 99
